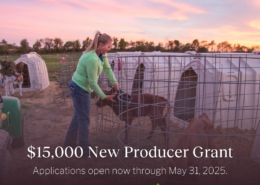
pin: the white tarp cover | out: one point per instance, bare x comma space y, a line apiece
37, 70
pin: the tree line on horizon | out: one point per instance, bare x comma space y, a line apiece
56, 45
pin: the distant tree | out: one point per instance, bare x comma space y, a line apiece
204, 43
77, 45
177, 49
186, 47
159, 47
151, 46
115, 42
48, 44
146, 44
253, 48
195, 44
203, 49
24, 45
122, 44
219, 47
69, 46
132, 45
171, 43
3, 42
42, 41
177, 43
244, 48
4, 47
224, 46
212, 44
86, 43
249, 50
11, 46
37, 45
140, 45
229, 47
57, 44
177, 46
166, 45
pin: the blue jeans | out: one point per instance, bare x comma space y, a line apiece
81, 120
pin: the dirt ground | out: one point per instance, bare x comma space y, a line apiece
47, 124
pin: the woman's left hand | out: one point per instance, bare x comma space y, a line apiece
116, 86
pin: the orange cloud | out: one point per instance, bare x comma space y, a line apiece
255, 23
225, 33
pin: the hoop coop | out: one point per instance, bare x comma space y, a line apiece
35, 74
223, 88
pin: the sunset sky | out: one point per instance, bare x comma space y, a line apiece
235, 21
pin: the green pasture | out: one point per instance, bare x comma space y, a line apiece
52, 62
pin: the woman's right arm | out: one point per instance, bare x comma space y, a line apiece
108, 70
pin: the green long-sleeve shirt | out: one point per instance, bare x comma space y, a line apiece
88, 70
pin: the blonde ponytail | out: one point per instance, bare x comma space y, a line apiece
99, 38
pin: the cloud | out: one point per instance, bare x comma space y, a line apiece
168, 10
184, 20
182, 7
75, 5
255, 24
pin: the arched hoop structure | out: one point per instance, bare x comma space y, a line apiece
35, 74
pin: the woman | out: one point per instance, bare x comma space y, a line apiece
83, 82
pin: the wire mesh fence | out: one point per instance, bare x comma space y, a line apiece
67, 66
170, 92
179, 101
182, 101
